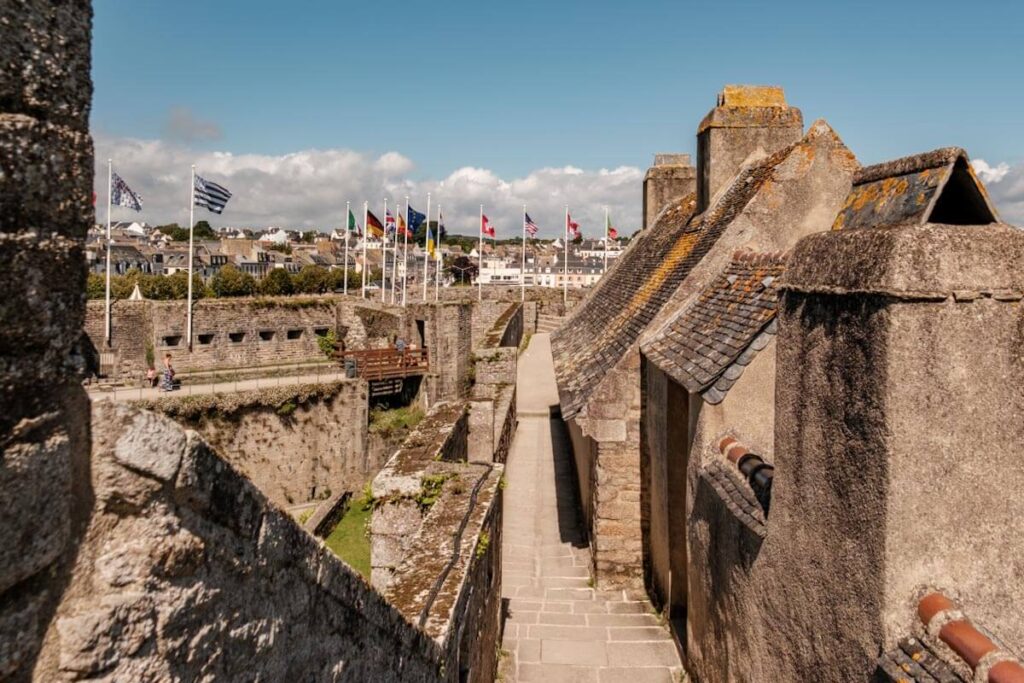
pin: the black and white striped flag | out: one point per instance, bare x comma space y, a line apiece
211, 195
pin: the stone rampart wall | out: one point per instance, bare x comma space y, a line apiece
435, 540
297, 443
188, 572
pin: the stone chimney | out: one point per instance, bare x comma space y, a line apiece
748, 118
670, 178
898, 420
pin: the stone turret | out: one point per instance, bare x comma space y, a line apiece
748, 119
670, 178
898, 406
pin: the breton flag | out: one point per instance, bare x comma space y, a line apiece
613, 234
122, 195
572, 229
531, 227
485, 227
210, 195
353, 226
389, 222
373, 225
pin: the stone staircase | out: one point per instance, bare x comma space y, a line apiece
548, 323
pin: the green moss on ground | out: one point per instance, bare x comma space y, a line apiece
350, 540
385, 422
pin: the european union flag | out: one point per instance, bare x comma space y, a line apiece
416, 219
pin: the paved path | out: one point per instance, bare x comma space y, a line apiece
559, 628
136, 393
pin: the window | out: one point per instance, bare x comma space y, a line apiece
172, 340
294, 334
266, 335
236, 337
320, 331
205, 339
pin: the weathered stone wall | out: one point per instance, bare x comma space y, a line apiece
46, 172
297, 443
131, 336
188, 572
492, 405
435, 540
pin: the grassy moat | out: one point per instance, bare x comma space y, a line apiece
350, 540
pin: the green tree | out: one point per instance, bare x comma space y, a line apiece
156, 287
230, 281
121, 286
462, 270
201, 231
311, 279
336, 279
178, 285
96, 286
276, 283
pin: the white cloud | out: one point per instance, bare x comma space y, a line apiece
990, 174
1005, 183
182, 125
308, 189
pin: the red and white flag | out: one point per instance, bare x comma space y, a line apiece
485, 227
572, 229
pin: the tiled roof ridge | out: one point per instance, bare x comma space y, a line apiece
749, 256
908, 164
944, 620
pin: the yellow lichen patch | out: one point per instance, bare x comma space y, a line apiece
752, 96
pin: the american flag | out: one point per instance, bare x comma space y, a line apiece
530, 226
122, 195
210, 195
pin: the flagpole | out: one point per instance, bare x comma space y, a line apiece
191, 225
605, 241
522, 267
348, 212
437, 261
426, 256
405, 254
565, 265
366, 229
480, 259
106, 320
384, 259
394, 258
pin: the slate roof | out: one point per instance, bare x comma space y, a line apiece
603, 328
909, 190
735, 494
913, 661
609, 320
708, 344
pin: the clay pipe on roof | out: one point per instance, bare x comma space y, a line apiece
938, 612
754, 469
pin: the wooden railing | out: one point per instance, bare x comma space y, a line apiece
379, 364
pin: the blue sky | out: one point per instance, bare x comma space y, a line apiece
517, 87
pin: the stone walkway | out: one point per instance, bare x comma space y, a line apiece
558, 628
188, 389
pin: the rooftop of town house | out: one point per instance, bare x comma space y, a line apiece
610, 319
934, 187
708, 344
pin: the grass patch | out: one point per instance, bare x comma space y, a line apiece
304, 516
385, 422
350, 540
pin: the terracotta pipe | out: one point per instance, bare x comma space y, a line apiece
965, 640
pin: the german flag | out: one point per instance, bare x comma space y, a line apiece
373, 225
